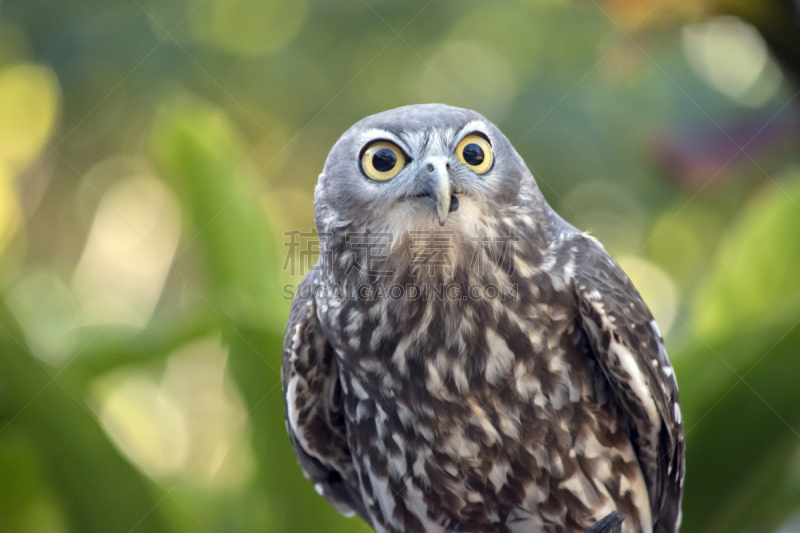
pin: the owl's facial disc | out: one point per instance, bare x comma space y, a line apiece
400, 170
446, 165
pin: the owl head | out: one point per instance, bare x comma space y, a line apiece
417, 167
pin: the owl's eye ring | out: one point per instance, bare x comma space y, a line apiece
382, 160
476, 153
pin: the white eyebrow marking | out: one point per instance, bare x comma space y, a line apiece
469, 127
373, 134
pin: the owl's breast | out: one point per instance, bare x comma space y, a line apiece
479, 419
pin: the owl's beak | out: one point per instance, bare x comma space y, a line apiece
438, 186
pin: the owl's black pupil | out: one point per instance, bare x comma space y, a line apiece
473, 154
384, 160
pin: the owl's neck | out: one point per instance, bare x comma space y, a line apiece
483, 260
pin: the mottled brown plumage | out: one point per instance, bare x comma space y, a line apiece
503, 376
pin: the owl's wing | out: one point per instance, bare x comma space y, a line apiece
314, 409
629, 348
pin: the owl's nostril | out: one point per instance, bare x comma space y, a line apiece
430, 167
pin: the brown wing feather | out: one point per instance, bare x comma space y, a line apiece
630, 349
314, 412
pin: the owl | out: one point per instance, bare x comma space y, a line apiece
461, 359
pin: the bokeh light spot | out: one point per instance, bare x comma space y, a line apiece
656, 288
10, 212
29, 98
186, 420
146, 424
128, 253
256, 27
45, 308
732, 57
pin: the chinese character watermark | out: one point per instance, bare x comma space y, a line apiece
302, 251
500, 251
430, 248
368, 252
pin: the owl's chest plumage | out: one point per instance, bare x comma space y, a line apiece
490, 411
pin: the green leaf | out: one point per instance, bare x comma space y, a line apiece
755, 274
199, 152
100, 490
741, 435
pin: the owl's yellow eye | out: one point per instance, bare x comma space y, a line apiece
475, 152
382, 160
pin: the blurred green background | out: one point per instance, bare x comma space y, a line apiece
153, 155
